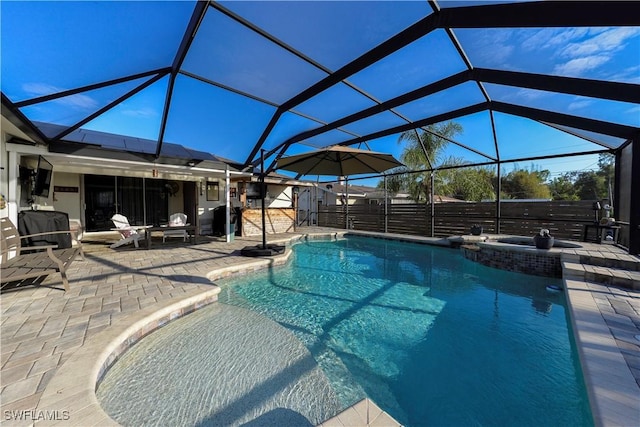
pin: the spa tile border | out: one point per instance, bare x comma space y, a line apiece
517, 258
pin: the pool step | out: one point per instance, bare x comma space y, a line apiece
623, 271
363, 413
605, 259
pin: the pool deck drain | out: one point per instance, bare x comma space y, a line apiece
42, 327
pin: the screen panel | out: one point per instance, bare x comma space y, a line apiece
594, 108
328, 138
289, 124
520, 138
424, 61
73, 44
336, 102
226, 52
71, 109
320, 29
205, 117
477, 133
462, 95
138, 116
600, 53
375, 123
606, 140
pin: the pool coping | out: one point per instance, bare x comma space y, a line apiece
77, 392
612, 391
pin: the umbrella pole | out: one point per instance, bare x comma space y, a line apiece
264, 215
346, 186
386, 205
264, 249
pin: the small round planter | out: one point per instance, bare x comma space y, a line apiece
476, 230
543, 242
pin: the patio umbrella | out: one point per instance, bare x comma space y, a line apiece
340, 161
335, 160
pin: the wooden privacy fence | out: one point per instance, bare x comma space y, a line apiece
564, 219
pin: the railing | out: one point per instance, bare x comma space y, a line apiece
565, 220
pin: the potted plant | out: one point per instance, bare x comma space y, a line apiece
476, 229
543, 240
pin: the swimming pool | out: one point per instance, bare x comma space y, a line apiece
431, 337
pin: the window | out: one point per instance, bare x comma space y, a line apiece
213, 191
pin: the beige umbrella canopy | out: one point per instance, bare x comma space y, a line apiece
336, 160
339, 161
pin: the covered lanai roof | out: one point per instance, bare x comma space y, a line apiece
231, 78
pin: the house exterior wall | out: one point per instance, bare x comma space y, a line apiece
174, 202
72, 202
206, 207
68, 202
13, 199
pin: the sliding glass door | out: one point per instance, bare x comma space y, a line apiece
100, 201
142, 201
130, 199
156, 202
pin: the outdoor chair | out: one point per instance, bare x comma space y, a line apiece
176, 220
19, 262
127, 232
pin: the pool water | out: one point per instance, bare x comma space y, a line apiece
219, 366
432, 338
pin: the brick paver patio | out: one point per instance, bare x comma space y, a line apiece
42, 326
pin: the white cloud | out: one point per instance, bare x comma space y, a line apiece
579, 104
578, 66
79, 101
530, 94
145, 112
493, 46
39, 89
576, 51
594, 51
549, 37
609, 41
627, 75
564, 36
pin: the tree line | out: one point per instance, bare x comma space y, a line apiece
424, 152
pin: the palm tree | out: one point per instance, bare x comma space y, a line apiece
423, 150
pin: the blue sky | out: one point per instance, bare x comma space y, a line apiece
48, 47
